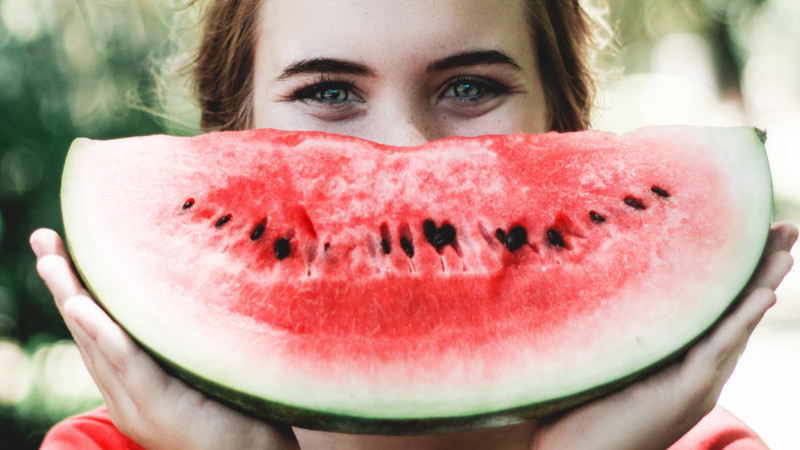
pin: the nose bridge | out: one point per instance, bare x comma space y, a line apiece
405, 123
408, 132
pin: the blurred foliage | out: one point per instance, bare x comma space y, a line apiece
72, 68
67, 69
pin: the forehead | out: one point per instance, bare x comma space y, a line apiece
395, 32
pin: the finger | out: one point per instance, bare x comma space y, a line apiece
98, 368
58, 276
102, 371
47, 242
728, 339
138, 392
112, 357
782, 236
127, 367
711, 361
772, 270
776, 261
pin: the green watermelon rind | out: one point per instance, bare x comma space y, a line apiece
344, 418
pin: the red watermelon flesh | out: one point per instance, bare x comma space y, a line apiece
340, 284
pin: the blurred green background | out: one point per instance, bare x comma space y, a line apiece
72, 68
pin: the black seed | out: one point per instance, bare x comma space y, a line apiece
445, 235
660, 192
405, 244
429, 230
282, 248
386, 246
222, 220
386, 239
258, 230
517, 237
596, 217
634, 202
188, 203
438, 237
501, 236
555, 238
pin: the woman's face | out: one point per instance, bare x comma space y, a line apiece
399, 72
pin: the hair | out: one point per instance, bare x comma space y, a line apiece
567, 35
224, 64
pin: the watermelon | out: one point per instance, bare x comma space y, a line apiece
334, 283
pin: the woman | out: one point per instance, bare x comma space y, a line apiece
400, 72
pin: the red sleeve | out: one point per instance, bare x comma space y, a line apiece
717, 431
89, 431
94, 431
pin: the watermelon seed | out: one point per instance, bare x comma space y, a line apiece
406, 240
501, 235
258, 230
405, 244
555, 238
222, 220
282, 248
188, 203
514, 239
438, 237
660, 192
386, 239
634, 202
517, 237
596, 217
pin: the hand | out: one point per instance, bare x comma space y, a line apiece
149, 406
657, 411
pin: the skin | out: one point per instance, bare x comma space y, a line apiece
410, 56
393, 77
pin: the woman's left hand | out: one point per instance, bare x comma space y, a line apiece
657, 411
146, 404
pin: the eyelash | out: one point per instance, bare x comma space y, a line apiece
488, 86
309, 92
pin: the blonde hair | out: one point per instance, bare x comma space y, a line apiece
568, 36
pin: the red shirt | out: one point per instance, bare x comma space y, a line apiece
94, 431
88, 431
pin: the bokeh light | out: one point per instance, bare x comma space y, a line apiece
15, 379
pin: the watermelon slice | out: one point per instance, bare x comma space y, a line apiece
334, 283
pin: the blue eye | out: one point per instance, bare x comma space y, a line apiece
327, 92
469, 88
332, 95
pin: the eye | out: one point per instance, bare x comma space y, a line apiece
467, 90
333, 94
327, 92
471, 89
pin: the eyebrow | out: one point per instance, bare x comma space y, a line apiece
324, 65
473, 58
333, 65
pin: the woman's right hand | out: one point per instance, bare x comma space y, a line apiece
146, 404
